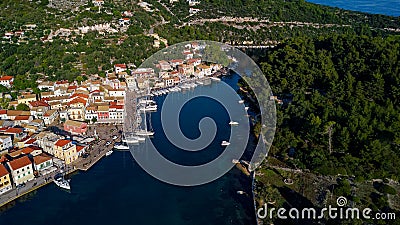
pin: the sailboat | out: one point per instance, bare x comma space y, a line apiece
61, 182
144, 132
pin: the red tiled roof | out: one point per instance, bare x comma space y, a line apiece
61, 143
31, 141
27, 150
3, 170
120, 65
80, 95
77, 100
72, 87
21, 118
19, 163
39, 103
41, 159
62, 82
193, 60
14, 130
3, 111
6, 78
3, 159
116, 106
176, 61
79, 148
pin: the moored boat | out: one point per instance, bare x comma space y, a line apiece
109, 152
225, 143
233, 123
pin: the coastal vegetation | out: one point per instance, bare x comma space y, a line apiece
344, 88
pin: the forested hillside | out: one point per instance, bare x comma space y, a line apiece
345, 87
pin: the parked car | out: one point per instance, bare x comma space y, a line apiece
108, 143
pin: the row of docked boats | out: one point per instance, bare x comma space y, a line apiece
184, 86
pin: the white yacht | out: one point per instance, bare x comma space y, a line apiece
141, 139
109, 153
146, 101
130, 140
144, 133
215, 79
62, 182
241, 101
121, 147
199, 82
246, 108
225, 143
148, 108
233, 123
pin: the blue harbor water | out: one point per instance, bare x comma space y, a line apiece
385, 7
117, 191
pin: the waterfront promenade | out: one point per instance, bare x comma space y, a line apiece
96, 151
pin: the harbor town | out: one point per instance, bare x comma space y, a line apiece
69, 126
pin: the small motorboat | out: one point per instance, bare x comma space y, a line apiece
109, 153
225, 143
215, 79
241, 101
121, 147
233, 123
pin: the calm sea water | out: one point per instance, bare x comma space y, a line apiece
117, 191
386, 7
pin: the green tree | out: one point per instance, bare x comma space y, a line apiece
23, 107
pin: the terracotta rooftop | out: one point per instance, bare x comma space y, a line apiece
3, 170
38, 103
21, 118
6, 78
14, 130
19, 163
79, 148
61, 143
41, 159
74, 123
120, 65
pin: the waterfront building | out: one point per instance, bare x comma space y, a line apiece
21, 170
42, 162
65, 150
46, 140
103, 112
75, 127
5, 181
